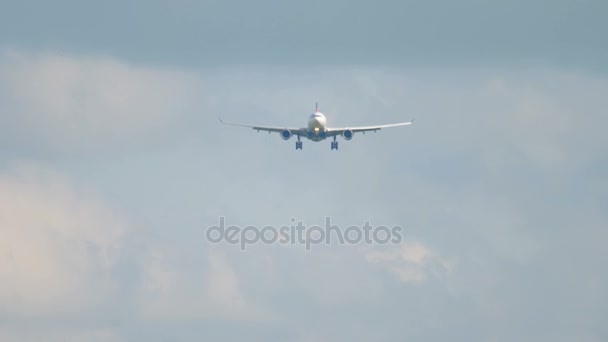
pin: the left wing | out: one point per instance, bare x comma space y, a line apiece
338, 131
293, 130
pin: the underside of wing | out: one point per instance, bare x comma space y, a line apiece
291, 130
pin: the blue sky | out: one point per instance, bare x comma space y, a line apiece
113, 165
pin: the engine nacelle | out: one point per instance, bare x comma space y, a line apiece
347, 134
286, 134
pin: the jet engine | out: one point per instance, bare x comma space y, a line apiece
286, 134
347, 134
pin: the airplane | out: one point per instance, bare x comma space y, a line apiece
317, 129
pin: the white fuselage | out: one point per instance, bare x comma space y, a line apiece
316, 126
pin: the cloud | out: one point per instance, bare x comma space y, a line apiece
411, 262
223, 285
499, 186
63, 104
57, 248
53, 104
211, 290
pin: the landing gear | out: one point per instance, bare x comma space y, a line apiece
298, 144
334, 144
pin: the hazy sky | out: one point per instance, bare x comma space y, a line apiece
113, 165
418, 33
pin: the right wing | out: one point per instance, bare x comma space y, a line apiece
268, 129
338, 131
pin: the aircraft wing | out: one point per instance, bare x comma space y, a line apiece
268, 129
338, 131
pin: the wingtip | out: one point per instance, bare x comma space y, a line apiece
222, 121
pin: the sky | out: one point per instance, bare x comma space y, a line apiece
113, 165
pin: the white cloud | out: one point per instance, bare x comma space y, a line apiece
541, 118
170, 292
411, 262
484, 178
223, 285
65, 104
57, 248
59, 103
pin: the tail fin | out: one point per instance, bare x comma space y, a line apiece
316, 107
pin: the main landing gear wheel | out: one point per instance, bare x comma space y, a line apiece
298, 145
334, 144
